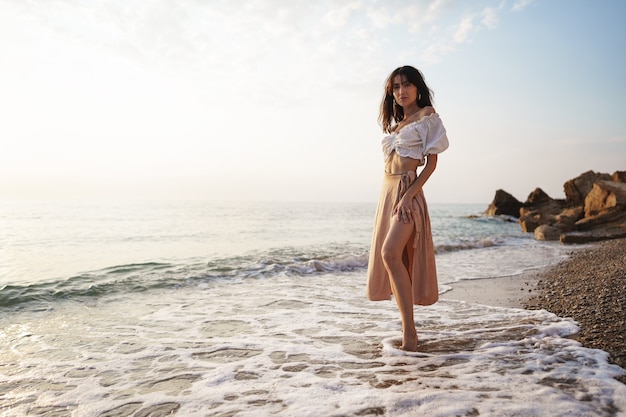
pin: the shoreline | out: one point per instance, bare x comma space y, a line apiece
589, 287
509, 291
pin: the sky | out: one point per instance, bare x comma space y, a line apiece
278, 100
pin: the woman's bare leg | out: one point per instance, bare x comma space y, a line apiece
392, 253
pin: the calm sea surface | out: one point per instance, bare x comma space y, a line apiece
248, 309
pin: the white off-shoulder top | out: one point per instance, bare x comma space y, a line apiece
427, 136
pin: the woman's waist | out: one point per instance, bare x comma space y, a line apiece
392, 179
398, 165
399, 174
400, 170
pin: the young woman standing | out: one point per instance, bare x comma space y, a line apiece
402, 256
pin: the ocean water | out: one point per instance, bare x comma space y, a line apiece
255, 309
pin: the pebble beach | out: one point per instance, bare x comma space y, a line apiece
590, 287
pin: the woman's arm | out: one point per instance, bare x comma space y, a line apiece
405, 205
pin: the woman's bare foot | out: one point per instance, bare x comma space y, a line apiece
409, 343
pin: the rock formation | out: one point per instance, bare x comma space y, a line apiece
504, 204
594, 209
577, 188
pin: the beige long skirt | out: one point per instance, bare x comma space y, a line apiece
419, 253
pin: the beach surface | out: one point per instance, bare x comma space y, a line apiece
588, 287
512, 292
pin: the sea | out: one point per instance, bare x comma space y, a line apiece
211, 308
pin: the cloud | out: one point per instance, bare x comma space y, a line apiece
421, 15
459, 33
276, 38
262, 43
339, 16
379, 17
490, 18
436, 51
463, 30
521, 5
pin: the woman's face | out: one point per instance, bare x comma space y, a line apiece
404, 92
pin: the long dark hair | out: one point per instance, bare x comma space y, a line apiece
391, 113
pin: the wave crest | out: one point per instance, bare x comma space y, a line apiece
469, 245
150, 276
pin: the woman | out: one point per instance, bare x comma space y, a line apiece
402, 256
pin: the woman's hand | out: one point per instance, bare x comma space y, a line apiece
404, 209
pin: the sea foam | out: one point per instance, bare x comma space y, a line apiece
309, 346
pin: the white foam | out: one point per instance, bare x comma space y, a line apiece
306, 346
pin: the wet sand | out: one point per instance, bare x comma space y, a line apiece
496, 292
589, 287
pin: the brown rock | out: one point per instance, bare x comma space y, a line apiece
526, 211
530, 221
615, 216
552, 207
546, 232
577, 189
594, 209
546, 212
569, 216
603, 196
593, 235
537, 196
504, 203
564, 226
619, 176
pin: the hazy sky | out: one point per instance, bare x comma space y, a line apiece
278, 99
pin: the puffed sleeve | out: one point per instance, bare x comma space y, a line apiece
433, 134
387, 143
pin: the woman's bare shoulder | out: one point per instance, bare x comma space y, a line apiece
421, 114
427, 111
